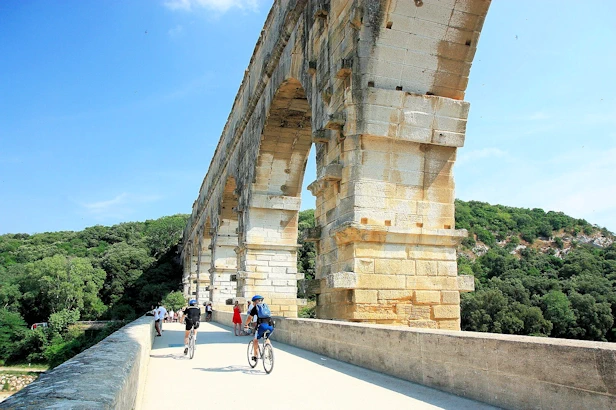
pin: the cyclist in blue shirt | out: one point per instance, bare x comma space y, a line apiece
264, 321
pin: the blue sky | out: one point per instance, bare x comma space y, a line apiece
111, 111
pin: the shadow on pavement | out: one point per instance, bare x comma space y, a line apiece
179, 356
232, 369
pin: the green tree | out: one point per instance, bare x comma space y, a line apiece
12, 330
59, 322
593, 320
163, 233
124, 265
306, 254
557, 309
174, 300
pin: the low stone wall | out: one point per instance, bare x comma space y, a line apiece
109, 375
513, 372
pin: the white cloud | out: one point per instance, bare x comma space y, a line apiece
214, 5
119, 207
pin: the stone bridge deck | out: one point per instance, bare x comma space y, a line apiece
219, 376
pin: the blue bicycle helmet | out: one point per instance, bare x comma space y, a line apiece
192, 302
256, 297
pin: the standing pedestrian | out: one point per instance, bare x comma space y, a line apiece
237, 319
157, 321
162, 313
208, 315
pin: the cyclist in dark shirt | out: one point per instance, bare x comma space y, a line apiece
193, 313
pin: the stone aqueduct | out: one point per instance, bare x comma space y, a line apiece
378, 87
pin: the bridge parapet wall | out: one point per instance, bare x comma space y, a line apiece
513, 372
109, 375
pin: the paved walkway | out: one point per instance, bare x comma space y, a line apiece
219, 377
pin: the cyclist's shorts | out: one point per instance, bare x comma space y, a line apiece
263, 327
189, 324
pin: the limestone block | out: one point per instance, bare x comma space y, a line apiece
369, 250
448, 138
449, 324
280, 202
423, 324
447, 268
446, 312
432, 282
435, 210
420, 313
364, 296
395, 295
412, 193
395, 266
342, 280
381, 281
363, 201
364, 265
466, 283
373, 315
450, 297
431, 252
441, 195
426, 268
426, 297
286, 264
409, 178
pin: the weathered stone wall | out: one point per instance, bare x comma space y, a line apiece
377, 86
109, 375
513, 372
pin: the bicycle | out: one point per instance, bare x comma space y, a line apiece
191, 343
266, 353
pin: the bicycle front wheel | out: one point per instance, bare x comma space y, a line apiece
191, 346
252, 355
268, 358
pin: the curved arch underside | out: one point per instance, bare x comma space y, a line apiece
285, 143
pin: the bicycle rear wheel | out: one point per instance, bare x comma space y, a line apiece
268, 358
191, 345
251, 353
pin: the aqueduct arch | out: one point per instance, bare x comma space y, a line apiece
378, 87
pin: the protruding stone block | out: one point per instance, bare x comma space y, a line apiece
466, 283
342, 280
312, 234
333, 172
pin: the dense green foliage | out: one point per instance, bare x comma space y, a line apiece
491, 223
536, 290
306, 255
115, 272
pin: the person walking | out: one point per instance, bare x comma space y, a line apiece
237, 319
